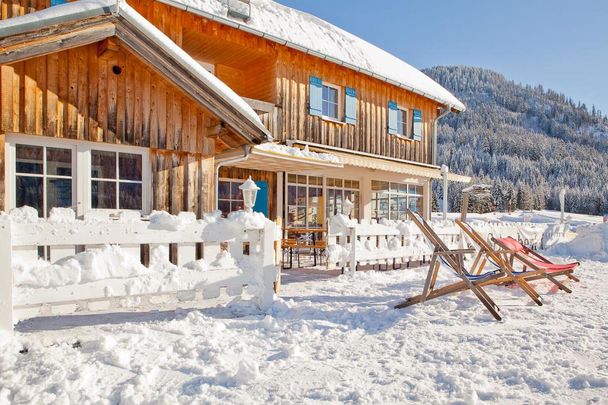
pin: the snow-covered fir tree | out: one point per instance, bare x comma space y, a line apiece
528, 142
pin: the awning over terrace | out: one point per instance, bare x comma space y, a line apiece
375, 162
281, 158
397, 167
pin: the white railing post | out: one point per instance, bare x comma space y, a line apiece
268, 268
353, 251
6, 277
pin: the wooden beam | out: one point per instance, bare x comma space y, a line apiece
37, 44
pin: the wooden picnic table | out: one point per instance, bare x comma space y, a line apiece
297, 245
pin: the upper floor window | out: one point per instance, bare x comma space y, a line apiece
402, 122
397, 120
331, 101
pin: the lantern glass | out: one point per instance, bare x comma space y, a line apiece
250, 192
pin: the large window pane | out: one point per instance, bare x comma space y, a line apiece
129, 166
130, 196
29, 159
235, 192
58, 162
415, 204
301, 196
103, 194
28, 191
291, 195
224, 206
223, 190
103, 164
58, 193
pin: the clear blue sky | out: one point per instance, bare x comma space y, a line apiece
560, 44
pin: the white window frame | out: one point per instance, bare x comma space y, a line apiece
229, 180
403, 111
407, 195
307, 186
81, 169
356, 213
339, 107
11, 166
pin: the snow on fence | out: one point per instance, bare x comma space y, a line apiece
399, 242
95, 265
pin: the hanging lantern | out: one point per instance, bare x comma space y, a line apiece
250, 192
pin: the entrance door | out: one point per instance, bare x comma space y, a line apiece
261, 202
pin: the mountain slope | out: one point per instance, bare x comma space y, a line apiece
526, 141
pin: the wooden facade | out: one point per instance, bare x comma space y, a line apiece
280, 75
77, 94
261, 69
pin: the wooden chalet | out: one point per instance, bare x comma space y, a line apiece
348, 120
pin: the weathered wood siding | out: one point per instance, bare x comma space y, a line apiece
241, 57
77, 94
14, 8
258, 68
370, 133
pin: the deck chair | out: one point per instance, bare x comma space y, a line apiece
529, 259
472, 280
504, 256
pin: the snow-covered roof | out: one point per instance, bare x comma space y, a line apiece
310, 34
91, 8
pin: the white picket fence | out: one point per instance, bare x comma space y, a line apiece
378, 244
59, 240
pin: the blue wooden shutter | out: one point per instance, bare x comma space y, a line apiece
417, 125
393, 111
315, 99
57, 2
350, 106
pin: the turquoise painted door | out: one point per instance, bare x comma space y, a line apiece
261, 202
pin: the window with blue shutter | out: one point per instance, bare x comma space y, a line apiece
417, 125
315, 98
393, 112
350, 106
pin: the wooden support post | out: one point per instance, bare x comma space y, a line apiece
6, 278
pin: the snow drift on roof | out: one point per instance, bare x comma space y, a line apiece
302, 30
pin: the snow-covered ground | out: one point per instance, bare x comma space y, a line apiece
328, 338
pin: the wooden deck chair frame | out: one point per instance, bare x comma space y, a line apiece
454, 258
499, 257
505, 258
527, 263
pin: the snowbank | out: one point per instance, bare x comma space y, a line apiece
330, 340
591, 242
